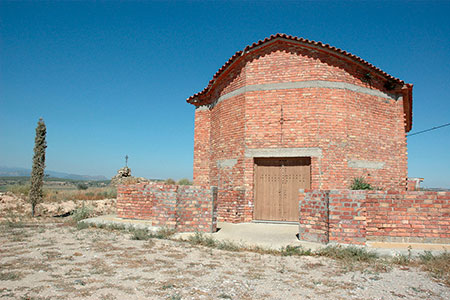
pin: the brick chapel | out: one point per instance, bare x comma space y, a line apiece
286, 114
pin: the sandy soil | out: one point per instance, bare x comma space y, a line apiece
56, 261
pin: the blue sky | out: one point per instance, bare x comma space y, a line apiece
111, 78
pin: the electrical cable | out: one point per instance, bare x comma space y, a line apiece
426, 130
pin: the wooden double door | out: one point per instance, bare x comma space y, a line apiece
277, 181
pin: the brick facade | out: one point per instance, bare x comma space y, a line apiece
356, 217
287, 93
184, 208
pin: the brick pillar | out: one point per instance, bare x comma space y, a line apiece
202, 146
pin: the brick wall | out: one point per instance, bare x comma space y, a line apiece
202, 146
184, 208
230, 206
346, 125
355, 217
314, 225
408, 216
226, 157
347, 216
196, 209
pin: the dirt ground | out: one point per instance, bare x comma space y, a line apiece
57, 261
49, 258
15, 208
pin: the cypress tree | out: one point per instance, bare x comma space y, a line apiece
37, 172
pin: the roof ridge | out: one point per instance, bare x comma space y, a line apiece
274, 37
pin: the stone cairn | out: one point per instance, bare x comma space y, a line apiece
123, 176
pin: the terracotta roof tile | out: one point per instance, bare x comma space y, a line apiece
281, 36
290, 38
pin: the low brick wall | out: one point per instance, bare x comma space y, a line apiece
347, 216
314, 225
355, 217
184, 208
408, 216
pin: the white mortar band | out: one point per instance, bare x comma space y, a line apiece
306, 84
226, 163
365, 164
284, 152
202, 107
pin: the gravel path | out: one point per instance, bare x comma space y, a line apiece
54, 261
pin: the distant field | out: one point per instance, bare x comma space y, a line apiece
50, 183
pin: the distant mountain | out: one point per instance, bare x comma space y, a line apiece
7, 171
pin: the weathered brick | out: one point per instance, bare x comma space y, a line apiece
184, 208
346, 125
398, 218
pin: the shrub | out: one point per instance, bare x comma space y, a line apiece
82, 213
170, 181
140, 235
163, 233
295, 250
200, 239
184, 181
82, 186
360, 183
82, 225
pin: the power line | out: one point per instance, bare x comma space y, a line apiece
426, 130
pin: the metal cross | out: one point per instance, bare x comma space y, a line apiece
281, 115
126, 160
282, 120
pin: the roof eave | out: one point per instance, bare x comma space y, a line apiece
407, 105
291, 39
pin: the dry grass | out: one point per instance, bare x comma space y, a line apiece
57, 195
106, 264
142, 234
89, 194
350, 258
437, 265
10, 276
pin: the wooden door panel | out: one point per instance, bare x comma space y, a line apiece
267, 192
293, 179
277, 181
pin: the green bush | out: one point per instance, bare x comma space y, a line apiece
170, 181
184, 181
82, 213
82, 186
360, 183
